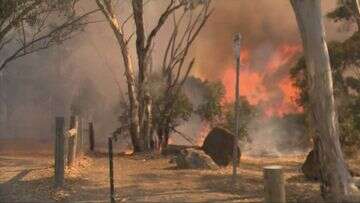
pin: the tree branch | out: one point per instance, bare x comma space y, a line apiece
49, 35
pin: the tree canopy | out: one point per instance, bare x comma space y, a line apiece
27, 26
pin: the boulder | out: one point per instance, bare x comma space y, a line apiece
172, 150
219, 146
193, 159
311, 166
357, 181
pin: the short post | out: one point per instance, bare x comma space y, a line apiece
72, 141
91, 136
111, 171
80, 135
274, 184
59, 151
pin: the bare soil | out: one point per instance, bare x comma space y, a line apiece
151, 178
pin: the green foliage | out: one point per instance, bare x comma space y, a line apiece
339, 59
344, 59
28, 26
33, 11
218, 113
345, 62
213, 94
343, 12
181, 108
246, 114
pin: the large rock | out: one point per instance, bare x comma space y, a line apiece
311, 166
193, 159
219, 146
172, 150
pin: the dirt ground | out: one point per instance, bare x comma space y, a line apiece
138, 178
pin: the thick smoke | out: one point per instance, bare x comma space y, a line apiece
264, 26
58, 74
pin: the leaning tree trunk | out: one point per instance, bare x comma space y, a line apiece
106, 8
336, 180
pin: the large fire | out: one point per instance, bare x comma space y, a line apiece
254, 87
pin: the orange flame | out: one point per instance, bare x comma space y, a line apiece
282, 56
253, 87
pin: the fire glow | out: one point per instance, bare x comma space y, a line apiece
254, 87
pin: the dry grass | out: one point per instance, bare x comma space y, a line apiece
145, 177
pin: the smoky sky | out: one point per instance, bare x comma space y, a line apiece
263, 24
95, 55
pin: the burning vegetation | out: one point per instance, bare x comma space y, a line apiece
172, 92
270, 87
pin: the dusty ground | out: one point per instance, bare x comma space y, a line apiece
29, 178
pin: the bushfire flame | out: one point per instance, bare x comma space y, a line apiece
254, 88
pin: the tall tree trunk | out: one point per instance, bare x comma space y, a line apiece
129, 73
143, 53
336, 180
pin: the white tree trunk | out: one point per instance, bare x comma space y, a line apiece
106, 8
336, 180
357, 6
143, 54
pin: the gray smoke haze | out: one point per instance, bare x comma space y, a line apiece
43, 85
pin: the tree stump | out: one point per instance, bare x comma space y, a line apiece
274, 184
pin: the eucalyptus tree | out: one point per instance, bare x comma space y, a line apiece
175, 69
336, 180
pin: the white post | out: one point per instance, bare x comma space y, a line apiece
274, 184
237, 46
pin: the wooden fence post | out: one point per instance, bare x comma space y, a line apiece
274, 184
72, 141
59, 151
80, 137
91, 136
111, 171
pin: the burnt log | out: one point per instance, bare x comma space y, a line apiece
219, 146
